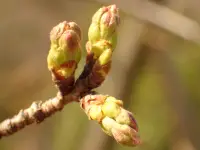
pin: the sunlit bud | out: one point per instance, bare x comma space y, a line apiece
65, 51
126, 117
110, 108
122, 133
104, 25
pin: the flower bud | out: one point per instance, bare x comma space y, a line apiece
126, 117
104, 25
98, 48
92, 105
110, 108
73, 26
125, 135
107, 124
95, 113
122, 133
65, 51
113, 108
105, 57
101, 67
113, 118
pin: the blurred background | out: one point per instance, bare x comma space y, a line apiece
155, 71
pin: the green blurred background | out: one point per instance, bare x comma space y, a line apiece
155, 71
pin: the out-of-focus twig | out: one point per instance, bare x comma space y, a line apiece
178, 98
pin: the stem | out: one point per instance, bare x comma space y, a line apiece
39, 111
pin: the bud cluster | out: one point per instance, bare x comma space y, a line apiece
113, 118
63, 58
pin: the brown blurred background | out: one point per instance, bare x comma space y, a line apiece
156, 69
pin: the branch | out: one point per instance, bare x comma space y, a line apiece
39, 111
62, 71
63, 58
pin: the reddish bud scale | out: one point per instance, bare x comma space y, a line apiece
133, 122
89, 100
98, 74
106, 18
68, 64
111, 16
73, 26
71, 41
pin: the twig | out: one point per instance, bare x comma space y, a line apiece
38, 111
62, 60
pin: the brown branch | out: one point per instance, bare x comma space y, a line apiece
39, 111
93, 75
36, 113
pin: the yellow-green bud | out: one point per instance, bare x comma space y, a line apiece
113, 99
104, 25
126, 135
92, 105
65, 50
101, 67
99, 47
95, 113
110, 108
107, 124
73, 26
102, 37
113, 118
122, 133
105, 57
126, 117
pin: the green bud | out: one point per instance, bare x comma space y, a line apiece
107, 124
102, 36
123, 134
73, 26
113, 118
113, 99
92, 106
102, 65
65, 50
95, 113
99, 47
104, 25
110, 108
105, 57
126, 117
